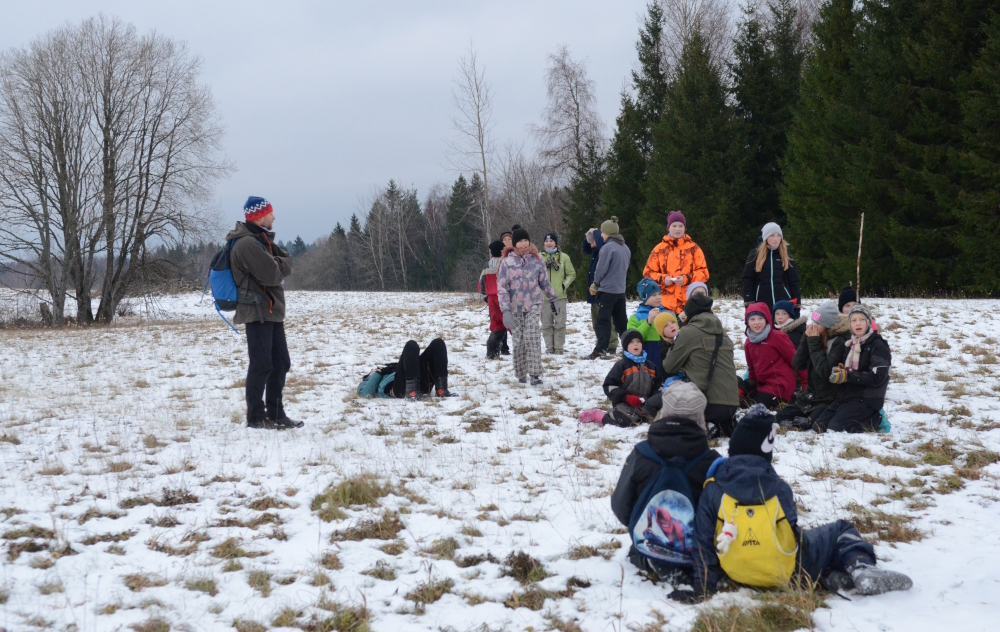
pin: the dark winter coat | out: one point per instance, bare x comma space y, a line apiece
796, 330
811, 356
772, 283
260, 266
669, 437
750, 480
692, 354
592, 251
770, 361
627, 377
869, 383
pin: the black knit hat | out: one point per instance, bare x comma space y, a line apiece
629, 336
847, 295
553, 236
519, 235
755, 433
496, 248
698, 304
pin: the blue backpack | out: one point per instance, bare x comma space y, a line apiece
225, 292
662, 521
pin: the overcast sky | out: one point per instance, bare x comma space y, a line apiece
323, 100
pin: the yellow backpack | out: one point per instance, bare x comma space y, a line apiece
764, 550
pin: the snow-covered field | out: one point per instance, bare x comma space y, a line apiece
131, 494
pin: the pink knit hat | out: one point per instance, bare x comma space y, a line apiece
676, 216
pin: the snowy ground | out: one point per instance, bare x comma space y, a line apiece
130, 490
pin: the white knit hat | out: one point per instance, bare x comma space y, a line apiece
770, 228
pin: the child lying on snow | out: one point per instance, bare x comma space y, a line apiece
650, 305
630, 381
414, 376
769, 355
746, 526
661, 527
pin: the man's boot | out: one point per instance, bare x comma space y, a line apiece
284, 423
441, 387
259, 422
412, 390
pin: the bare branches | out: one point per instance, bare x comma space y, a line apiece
569, 121
473, 148
682, 17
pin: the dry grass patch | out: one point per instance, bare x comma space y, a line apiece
467, 561
605, 550
885, 526
108, 537
94, 512
941, 452
478, 422
9, 438
981, 458
152, 624
203, 583
855, 451
330, 561
168, 498
248, 625
396, 547
524, 568
138, 581
260, 581
287, 617
267, 502
430, 591
895, 460
385, 527
343, 618
443, 549
603, 451
923, 409
777, 611
381, 570
232, 548
360, 489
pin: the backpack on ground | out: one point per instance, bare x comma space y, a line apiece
225, 293
662, 521
762, 550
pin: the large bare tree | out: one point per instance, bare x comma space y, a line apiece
472, 149
570, 119
711, 17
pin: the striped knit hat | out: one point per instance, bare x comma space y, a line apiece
256, 208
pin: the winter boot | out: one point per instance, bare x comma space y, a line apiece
802, 423
592, 416
836, 581
284, 423
523, 380
535, 380
504, 349
441, 387
595, 355
259, 423
412, 390
493, 346
871, 580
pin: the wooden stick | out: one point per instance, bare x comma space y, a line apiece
861, 236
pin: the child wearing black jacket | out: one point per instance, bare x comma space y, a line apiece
833, 554
631, 381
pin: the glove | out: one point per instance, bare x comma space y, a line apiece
838, 375
508, 319
555, 308
634, 401
593, 289
687, 596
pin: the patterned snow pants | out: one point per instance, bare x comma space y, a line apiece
526, 332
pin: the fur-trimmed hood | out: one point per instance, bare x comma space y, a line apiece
843, 326
791, 325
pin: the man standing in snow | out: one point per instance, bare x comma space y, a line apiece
609, 286
259, 268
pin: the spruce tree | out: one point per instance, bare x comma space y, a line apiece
582, 207
461, 234
694, 165
297, 247
631, 144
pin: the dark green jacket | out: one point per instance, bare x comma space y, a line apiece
259, 265
692, 354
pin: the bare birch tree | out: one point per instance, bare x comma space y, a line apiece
473, 147
680, 19
569, 119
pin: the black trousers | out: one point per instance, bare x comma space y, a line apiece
269, 364
790, 412
612, 309
851, 416
834, 546
497, 344
424, 367
721, 416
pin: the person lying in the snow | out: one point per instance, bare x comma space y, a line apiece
787, 319
660, 520
818, 353
769, 355
629, 383
414, 376
746, 526
864, 373
642, 321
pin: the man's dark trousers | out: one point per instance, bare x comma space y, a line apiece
612, 309
269, 364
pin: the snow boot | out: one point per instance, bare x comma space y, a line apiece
836, 581
593, 416
802, 423
871, 580
284, 423
535, 380
493, 346
412, 390
441, 387
523, 380
260, 423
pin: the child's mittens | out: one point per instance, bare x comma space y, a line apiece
555, 308
634, 401
725, 537
838, 375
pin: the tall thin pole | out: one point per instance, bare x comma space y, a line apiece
861, 236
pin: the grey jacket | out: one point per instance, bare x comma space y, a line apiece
612, 265
260, 266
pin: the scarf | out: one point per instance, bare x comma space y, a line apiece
854, 354
758, 338
638, 359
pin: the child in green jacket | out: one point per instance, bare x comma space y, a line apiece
642, 321
561, 275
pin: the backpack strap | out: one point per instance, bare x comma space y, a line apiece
695, 461
711, 368
710, 475
646, 450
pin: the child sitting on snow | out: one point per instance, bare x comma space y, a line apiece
666, 326
794, 326
769, 355
746, 526
629, 383
650, 306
